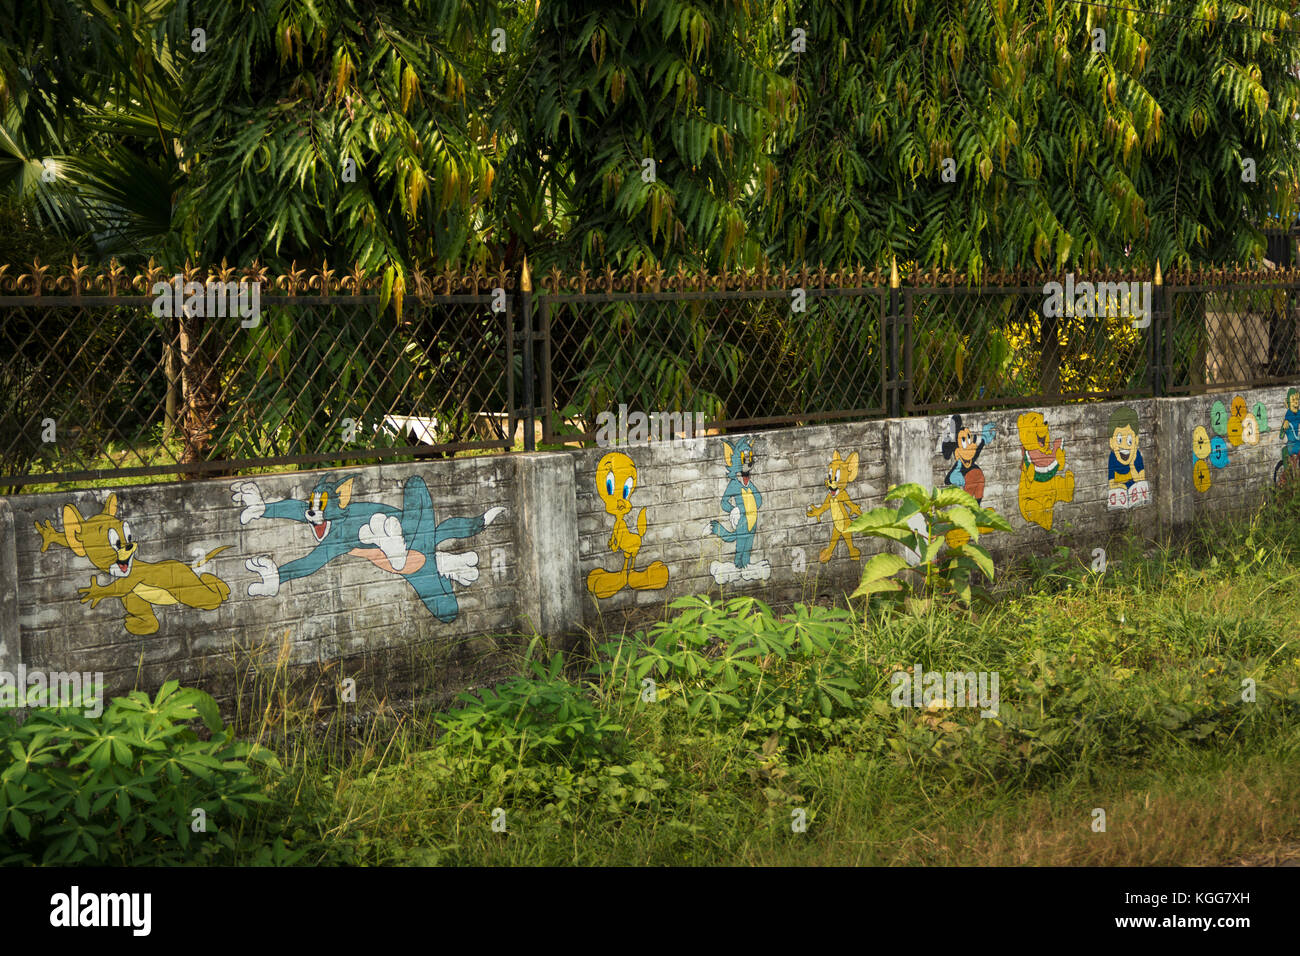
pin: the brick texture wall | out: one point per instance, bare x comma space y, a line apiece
362, 620
681, 487
1082, 430
350, 610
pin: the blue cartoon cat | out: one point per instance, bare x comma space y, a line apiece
741, 501
400, 541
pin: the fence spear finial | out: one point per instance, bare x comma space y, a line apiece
1159, 279
525, 280
893, 272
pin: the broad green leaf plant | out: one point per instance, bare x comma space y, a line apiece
125, 787
926, 523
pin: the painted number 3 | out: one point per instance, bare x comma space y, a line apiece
1249, 430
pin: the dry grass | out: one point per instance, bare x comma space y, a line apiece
1244, 811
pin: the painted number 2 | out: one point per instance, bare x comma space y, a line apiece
1219, 418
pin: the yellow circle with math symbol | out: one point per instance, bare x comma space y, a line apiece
1201, 475
1239, 408
1201, 443
1249, 429
1234, 431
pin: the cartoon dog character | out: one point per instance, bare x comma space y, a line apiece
400, 541
109, 544
841, 472
1042, 481
741, 501
961, 446
616, 479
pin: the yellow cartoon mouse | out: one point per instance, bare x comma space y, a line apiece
107, 542
616, 479
838, 475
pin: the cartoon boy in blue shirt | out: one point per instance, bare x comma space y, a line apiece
1125, 465
1291, 422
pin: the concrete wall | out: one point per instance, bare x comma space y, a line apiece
1086, 514
544, 563
681, 485
349, 610
1249, 468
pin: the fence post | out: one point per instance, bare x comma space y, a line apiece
11, 642
893, 365
530, 402
1176, 500
1157, 334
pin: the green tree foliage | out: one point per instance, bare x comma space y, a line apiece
1063, 149
806, 130
91, 135
692, 87
231, 143
306, 87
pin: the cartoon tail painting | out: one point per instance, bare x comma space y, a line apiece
723, 532
423, 533
212, 554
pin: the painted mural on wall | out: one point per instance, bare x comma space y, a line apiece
1234, 425
616, 480
1126, 472
960, 445
839, 474
1289, 467
741, 501
402, 541
1044, 479
1202, 457
109, 544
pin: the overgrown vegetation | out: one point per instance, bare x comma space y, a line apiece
940, 530
696, 740
134, 785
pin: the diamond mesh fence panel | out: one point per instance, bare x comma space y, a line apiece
90, 391
737, 358
984, 348
96, 381
1232, 337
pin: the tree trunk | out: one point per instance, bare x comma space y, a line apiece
171, 370
1049, 366
200, 386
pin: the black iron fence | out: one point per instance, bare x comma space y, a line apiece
110, 376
